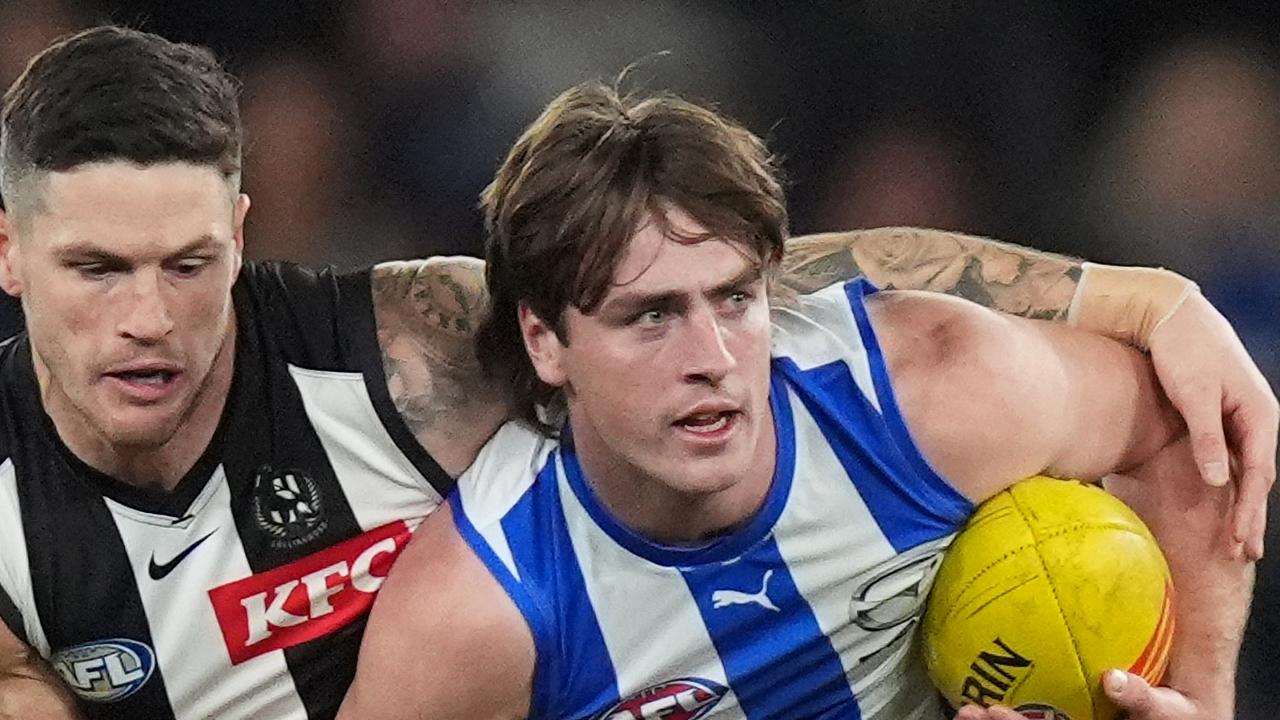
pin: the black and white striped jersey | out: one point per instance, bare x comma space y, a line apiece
243, 593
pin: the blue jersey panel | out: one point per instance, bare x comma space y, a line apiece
779, 662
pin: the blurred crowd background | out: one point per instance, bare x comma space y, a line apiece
1143, 132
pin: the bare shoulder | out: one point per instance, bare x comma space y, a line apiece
969, 384
444, 640
427, 312
926, 336
447, 292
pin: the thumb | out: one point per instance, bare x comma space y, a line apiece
1131, 692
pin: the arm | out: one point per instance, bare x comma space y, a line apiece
991, 399
1229, 408
460, 650
426, 313
1190, 521
28, 688
1011, 279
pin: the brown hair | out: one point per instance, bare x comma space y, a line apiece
578, 184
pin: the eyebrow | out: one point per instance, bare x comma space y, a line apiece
87, 249
628, 303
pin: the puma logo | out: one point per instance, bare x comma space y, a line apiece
725, 598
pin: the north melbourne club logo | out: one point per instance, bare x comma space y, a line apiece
683, 699
288, 507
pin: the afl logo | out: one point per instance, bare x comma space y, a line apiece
287, 506
1036, 711
105, 671
683, 699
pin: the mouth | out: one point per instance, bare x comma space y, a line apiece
708, 428
144, 383
154, 378
706, 423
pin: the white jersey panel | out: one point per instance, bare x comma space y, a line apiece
822, 330
359, 448
15, 574
203, 550
508, 464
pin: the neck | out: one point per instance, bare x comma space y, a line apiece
672, 516
158, 467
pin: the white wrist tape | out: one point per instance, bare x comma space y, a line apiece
1127, 303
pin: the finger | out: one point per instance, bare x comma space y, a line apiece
1203, 414
971, 712
1130, 692
999, 712
1249, 522
1257, 446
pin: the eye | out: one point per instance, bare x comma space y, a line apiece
650, 317
93, 270
188, 267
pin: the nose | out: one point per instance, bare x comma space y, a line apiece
708, 358
146, 315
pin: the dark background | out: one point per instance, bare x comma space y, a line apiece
1142, 132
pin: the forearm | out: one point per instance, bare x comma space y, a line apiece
1211, 588
1009, 278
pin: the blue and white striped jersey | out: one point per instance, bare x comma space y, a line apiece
808, 611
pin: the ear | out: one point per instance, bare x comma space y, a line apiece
546, 352
10, 257
237, 230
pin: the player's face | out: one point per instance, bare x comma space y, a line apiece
125, 275
667, 381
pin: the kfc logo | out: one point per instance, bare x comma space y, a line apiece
308, 598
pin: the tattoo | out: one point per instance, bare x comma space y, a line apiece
427, 314
1005, 277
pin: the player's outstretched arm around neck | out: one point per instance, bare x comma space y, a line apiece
444, 640
426, 313
1203, 368
29, 690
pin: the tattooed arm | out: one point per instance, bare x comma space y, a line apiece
1009, 278
427, 312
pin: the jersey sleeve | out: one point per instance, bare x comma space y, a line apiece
828, 354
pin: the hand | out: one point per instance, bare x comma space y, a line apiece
1133, 695
1140, 701
1230, 410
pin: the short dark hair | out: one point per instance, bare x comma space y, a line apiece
576, 187
114, 93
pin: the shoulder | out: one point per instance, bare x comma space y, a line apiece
449, 290
967, 382
441, 609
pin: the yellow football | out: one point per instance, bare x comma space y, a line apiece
1049, 584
